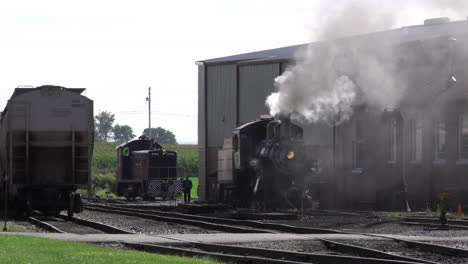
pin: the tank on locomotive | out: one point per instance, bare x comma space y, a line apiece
145, 169
46, 144
263, 165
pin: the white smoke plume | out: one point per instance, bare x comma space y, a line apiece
329, 78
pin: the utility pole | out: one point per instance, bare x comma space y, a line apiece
149, 111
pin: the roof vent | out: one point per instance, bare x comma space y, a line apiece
436, 21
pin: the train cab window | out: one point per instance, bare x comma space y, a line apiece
440, 140
416, 139
463, 137
126, 152
392, 140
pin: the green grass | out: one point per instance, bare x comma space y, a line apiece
23, 249
15, 228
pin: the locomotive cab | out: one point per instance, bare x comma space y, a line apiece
144, 167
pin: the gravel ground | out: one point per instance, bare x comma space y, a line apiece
335, 221
397, 229
401, 250
455, 244
140, 225
113, 245
307, 246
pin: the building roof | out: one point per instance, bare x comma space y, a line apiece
431, 28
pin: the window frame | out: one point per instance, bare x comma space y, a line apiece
359, 139
392, 144
416, 123
461, 160
437, 157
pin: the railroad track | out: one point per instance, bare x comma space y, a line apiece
63, 224
216, 223
411, 247
239, 254
435, 222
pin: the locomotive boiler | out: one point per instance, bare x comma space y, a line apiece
46, 144
263, 165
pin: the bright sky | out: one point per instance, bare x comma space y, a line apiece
116, 49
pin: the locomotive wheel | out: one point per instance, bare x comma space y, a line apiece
71, 205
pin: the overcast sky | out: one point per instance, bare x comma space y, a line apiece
116, 49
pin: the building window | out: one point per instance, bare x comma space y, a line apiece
392, 141
416, 139
440, 141
463, 137
358, 145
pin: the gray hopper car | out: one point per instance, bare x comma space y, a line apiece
46, 145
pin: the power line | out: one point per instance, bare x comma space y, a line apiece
161, 113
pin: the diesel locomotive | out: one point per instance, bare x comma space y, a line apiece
146, 170
46, 144
263, 165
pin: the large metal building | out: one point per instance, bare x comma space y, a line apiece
232, 91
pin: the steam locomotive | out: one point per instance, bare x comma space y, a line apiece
263, 165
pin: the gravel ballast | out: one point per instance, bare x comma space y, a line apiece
140, 225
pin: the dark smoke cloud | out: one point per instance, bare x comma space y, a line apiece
328, 80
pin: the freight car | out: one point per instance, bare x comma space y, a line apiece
46, 144
146, 170
263, 165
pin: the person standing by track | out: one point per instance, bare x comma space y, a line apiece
187, 188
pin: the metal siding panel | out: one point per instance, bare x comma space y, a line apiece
201, 134
221, 103
255, 84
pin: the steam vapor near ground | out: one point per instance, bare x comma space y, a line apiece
327, 80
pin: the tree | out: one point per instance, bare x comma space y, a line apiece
123, 133
161, 135
103, 122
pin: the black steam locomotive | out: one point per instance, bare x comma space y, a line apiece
263, 165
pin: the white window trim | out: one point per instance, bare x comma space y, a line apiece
413, 124
436, 159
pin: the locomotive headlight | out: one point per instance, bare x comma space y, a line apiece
291, 155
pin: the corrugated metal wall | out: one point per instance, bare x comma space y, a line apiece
221, 102
255, 84
201, 133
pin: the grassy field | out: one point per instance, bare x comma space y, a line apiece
24, 249
105, 162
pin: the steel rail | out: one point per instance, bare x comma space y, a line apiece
82, 222
367, 252
203, 224
267, 227
434, 220
435, 226
239, 254
44, 225
225, 221
97, 225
